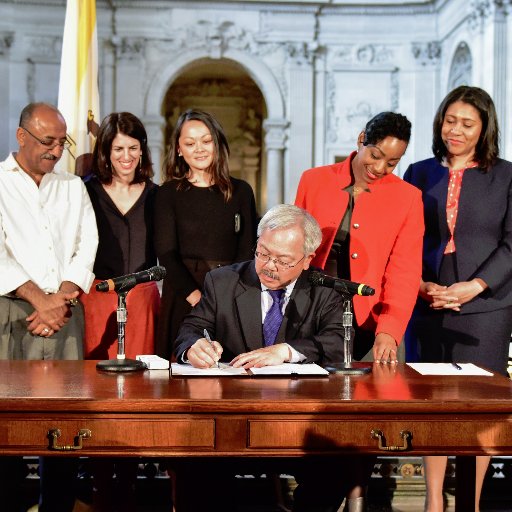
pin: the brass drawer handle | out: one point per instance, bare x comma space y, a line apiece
54, 434
404, 434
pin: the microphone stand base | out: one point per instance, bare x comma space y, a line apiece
355, 368
121, 365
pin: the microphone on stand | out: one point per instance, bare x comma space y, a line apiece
127, 282
122, 285
340, 285
347, 289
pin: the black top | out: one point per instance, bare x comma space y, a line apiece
125, 241
197, 223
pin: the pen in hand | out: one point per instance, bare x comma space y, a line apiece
457, 366
209, 340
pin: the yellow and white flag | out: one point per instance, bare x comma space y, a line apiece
78, 85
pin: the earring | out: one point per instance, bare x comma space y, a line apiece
140, 161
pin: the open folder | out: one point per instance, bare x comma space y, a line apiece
225, 370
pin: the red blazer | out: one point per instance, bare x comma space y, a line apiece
386, 240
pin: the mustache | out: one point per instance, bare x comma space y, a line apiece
49, 157
269, 273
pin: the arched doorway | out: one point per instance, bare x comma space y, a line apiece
274, 125
223, 88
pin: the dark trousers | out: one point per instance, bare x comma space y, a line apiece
57, 485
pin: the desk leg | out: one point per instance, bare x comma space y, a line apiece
465, 483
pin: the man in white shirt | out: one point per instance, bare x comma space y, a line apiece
48, 241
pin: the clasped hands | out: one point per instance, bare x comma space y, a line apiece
52, 311
451, 297
202, 354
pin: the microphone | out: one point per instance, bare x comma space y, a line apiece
340, 285
127, 282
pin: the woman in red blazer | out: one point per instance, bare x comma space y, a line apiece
372, 227
372, 233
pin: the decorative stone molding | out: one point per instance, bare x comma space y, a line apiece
483, 10
6, 40
461, 67
332, 119
301, 54
31, 80
216, 37
428, 53
363, 55
42, 47
395, 90
130, 48
275, 133
358, 116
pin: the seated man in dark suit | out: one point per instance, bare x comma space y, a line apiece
265, 312
301, 323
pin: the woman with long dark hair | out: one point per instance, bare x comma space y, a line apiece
203, 217
464, 310
122, 195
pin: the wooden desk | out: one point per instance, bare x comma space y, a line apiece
148, 414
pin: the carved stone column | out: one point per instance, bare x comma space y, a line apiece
427, 57
301, 101
130, 72
501, 66
154, 127
275, 138
488, 21
107, 75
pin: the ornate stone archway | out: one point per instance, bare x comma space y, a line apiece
274, 126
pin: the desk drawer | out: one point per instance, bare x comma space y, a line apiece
112, 433
459, 434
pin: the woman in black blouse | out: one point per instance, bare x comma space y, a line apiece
203, 218
122, 195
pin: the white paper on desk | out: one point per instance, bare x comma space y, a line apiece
448, 369
290, 369
225, 370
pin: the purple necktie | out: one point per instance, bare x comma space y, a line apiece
274, 317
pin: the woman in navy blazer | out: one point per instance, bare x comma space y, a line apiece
464, 310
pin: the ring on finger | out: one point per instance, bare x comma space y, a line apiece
46, 330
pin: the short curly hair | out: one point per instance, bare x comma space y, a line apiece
387, 124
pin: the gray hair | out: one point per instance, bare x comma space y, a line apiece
287, 215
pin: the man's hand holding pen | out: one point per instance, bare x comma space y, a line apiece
204, 354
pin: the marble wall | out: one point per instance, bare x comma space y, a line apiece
320, 69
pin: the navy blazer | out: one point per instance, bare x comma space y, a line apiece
230, 308
483, 230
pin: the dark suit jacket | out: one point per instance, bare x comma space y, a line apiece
230, 309
483, 230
